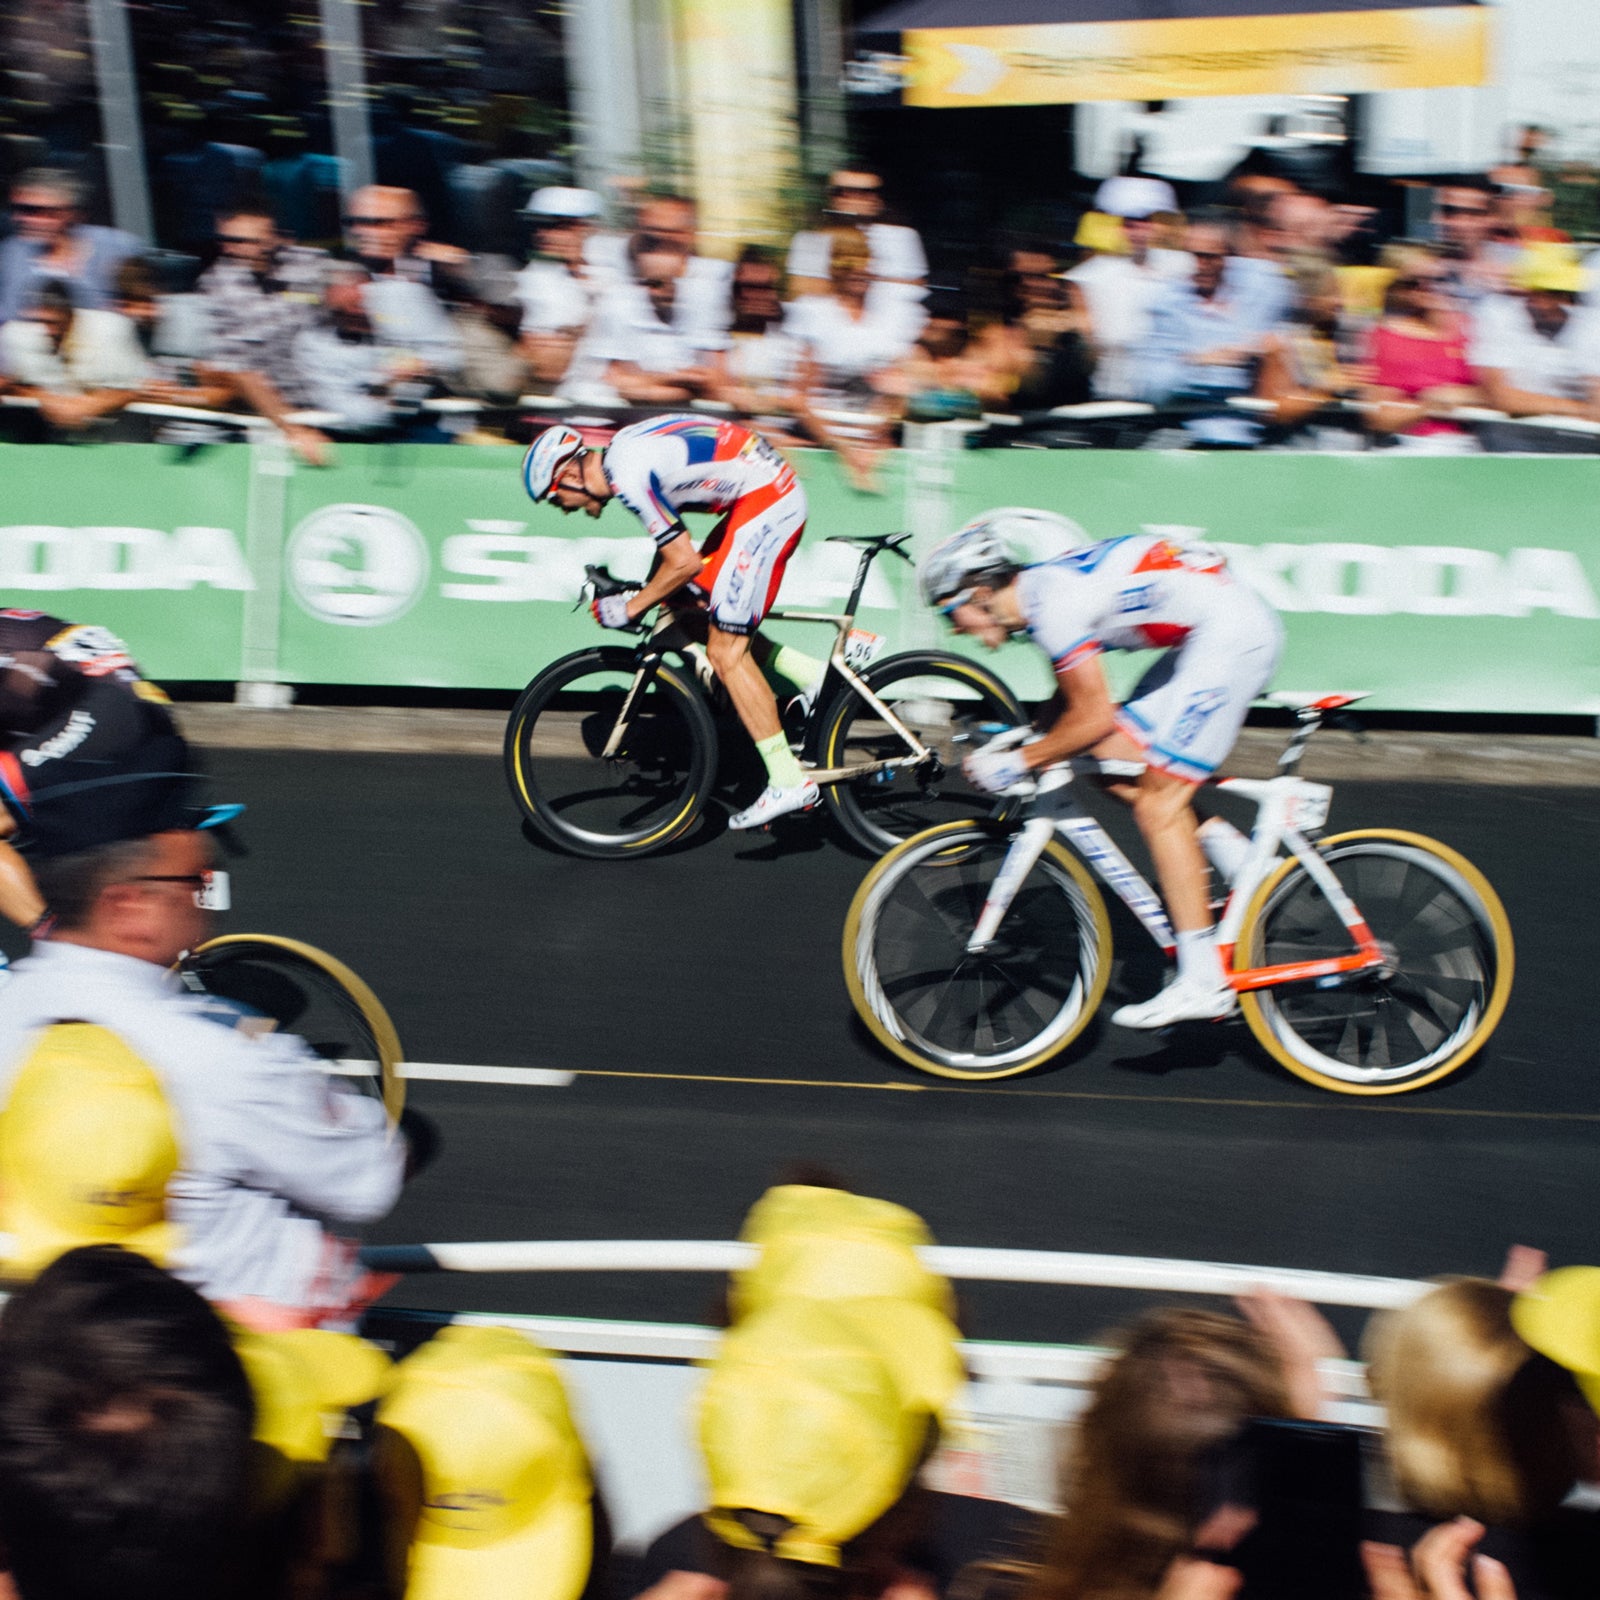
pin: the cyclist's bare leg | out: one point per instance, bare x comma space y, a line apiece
1164, 811
752, 696
20, 900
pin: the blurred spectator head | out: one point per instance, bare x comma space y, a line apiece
849, 262
486, 1487
1463, 216
1210, 241
1318, 301
1183, 1384
87, 1145
135, 293
658, 271
135, 897
670, 221
757, 290
563, 219
45, 203
1032, 279
813, 1423
1138, 202
1307, 224
125, 1424
1550, 279
855, 192
52, 308
1479, 1425
247, 236
947, 330
384, 222
1419, 285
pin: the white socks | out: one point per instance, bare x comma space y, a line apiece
1199, 961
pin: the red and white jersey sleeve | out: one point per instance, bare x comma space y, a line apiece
1140, 592
673, 464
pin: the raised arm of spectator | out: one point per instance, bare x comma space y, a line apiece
1503, 395
261, 395
858, 453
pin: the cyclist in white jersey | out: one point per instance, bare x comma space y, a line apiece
659, 469
1141, 592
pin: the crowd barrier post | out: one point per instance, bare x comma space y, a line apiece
260, 680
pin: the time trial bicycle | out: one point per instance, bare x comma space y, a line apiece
613, 752
1369, 963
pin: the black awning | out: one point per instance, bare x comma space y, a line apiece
903, 15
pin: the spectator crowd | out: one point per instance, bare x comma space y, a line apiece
1275, 318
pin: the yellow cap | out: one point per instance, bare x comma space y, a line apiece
304, 1381
1553, 268
828, 1244
86, 1149
506, 1493
820, 1413
1100, 232
1559, 1316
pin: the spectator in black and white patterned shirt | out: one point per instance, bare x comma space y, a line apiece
258, 295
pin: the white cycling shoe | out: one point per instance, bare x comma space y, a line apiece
775, 802
1183, 1000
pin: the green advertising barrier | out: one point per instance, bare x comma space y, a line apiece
1460, 584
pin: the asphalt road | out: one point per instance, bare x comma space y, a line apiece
699, 998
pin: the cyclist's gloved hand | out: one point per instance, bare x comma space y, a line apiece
611, 610
995, 771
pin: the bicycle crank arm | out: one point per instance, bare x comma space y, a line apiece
1020, 860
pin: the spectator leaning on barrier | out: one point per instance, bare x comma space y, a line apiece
1301, 370
125, 1437
762, 361
174, 334
559, 288
79, 365
1041, 343
257, 296
1463, 220
947, 373
276, 1161
656, 349
855, 199
1537, 352
1207, 334
1481, 1425
50, 243
670, 222
1119, 286
1416, 357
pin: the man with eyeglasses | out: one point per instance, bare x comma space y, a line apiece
257, 296
1464, 221
50, 242
278, 1164
656, 343
855, 199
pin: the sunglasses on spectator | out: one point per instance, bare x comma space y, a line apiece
377, 222
1209, 255
1462, 211
1426, 281
242, 238
853, 188
24, 210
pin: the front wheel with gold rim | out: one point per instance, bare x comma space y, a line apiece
1426, 1011
955, 1013
267, 982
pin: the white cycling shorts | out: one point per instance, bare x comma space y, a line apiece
1186, 711
746, 553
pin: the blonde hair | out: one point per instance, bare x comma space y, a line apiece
1476, 1418
848, 251
1185, 1381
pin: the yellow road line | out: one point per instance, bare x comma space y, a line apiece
1330, 1103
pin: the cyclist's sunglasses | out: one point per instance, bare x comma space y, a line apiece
211, 889
948, 608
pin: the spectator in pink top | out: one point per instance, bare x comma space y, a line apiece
1417, 354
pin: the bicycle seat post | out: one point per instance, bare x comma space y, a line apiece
1307, 719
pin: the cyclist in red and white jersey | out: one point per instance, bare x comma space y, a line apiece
659, 469
1141, 592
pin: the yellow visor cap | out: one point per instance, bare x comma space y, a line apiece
87, 1146
1550, 267
304, 1381
507, 1496
828, 1244
801, 1418
1559, 1316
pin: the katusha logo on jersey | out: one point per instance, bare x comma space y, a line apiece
357, 565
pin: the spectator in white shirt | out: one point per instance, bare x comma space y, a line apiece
850, 340
559, 288
855, 199
762, 362
1119, 289
1537, 353
670, 222
657, 351
1463, 220
77, 364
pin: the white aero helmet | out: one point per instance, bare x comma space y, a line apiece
1009, 536
546, 456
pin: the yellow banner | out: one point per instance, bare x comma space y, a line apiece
1332, 52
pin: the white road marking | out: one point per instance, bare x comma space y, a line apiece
453, 1072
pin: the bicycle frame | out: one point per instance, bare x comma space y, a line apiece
657, 644
1287, 808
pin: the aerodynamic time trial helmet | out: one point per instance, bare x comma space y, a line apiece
546, 456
